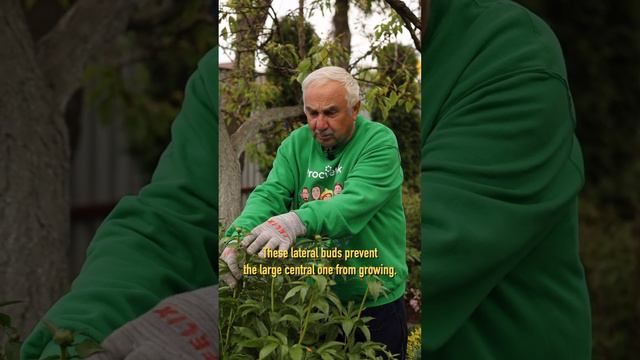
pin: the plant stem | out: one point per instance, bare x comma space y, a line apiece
64, 354
366, 292
231, 319
273, 282
348, 336
306, 322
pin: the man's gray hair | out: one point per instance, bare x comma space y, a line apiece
338, 74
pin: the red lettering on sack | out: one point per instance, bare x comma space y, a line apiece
209, 356
165, 311
177, 320
200, 342
190, 330
195, 337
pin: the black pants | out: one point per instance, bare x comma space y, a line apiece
389, 326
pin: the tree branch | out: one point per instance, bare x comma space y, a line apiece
257, 121
84, 30
403, 10
409, 19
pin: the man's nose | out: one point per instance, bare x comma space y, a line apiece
321, 123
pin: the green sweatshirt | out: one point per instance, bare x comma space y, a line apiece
352, 194
501, 170
162, 241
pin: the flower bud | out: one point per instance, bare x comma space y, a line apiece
63, 337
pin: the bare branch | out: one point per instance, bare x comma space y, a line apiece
84, 30
257, 121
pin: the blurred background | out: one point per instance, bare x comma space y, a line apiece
601, 44
112, 120
89, 90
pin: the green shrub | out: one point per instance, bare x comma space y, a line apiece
293, 317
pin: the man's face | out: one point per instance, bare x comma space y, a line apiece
328, 114
315, 193
305, 194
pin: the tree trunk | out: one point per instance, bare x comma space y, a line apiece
229, 176
37, 82
230, 148
341, 31
252, 15
34, 181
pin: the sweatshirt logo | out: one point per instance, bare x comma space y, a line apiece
328, 172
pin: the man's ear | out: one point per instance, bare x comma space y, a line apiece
355, 110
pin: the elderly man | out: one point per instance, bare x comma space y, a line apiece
336, 147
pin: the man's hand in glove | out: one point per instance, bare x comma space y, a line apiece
181, 327
279, 232
230, 257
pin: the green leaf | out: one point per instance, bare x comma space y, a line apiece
303, 293
330, 344
251, 343
347, 326
393, 98
267, 350
304, 65
321, 281
262, 330
316, 316
322, 304
282, 337
284, 350
336, 302
292, 292
289, 317
245, 331
298, 309
365, 332
296, 352
408, 106
366, 319
87, 348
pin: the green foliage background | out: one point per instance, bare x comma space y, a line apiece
601, 43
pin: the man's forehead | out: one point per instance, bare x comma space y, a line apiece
324, 96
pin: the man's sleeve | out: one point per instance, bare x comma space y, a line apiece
162, 241
376, 176
272, 197
498, 172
